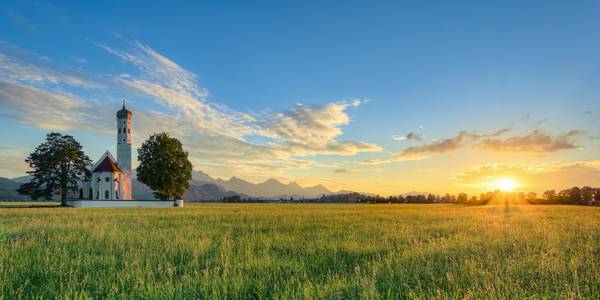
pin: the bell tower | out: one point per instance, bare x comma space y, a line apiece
124, 151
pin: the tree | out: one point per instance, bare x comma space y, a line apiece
564, 196
549, 196
462, 198
431, 198
164, 166
575, 195
531, 197
56, 166
587, 194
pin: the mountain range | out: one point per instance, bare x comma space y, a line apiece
202, 187
271, 188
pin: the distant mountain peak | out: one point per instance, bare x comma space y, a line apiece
201, 176
270, 188
235, 178
294, 184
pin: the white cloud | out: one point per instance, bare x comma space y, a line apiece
49, 97
314, 130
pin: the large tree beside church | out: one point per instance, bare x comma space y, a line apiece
56, 166
164, 166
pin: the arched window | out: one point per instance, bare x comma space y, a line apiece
107, 179
98, 194
106, 195
91, 194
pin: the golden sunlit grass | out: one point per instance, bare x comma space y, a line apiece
238, 251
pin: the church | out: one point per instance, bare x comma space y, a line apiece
111, 178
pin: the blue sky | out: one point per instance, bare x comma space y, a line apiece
228, 78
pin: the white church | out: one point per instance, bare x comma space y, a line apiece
111, 178
110, 183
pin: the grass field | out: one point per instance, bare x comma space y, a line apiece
4, 204
301, 251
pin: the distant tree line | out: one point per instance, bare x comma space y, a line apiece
573, 196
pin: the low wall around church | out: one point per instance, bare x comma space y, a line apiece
123, 203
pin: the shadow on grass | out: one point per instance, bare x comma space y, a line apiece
29, 206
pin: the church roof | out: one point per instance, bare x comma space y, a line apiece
106, 165
123, 113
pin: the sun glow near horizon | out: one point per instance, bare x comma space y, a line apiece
505, 184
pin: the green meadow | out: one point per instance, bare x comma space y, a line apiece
243, 251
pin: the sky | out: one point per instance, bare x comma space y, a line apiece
370, 96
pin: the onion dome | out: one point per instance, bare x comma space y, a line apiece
123, 113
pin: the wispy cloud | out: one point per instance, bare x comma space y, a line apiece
21, 66
41, 94
537, 141
170, 85
79, 60
50, 110
441, 146
411, 136
339, 171
12, 166
374, 161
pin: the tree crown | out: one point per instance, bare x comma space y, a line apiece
56, 166
164, 166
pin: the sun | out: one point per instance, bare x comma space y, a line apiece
505, 184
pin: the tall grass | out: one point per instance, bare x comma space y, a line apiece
301, 251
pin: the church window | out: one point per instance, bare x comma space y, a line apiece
106, 194
107, 179
91, 194
98, 194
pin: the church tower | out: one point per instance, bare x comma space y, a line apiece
124, 152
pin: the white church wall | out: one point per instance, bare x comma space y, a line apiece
85, 187
104, 185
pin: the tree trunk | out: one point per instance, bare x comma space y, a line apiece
63, 195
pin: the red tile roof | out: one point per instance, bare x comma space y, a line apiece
107, 165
